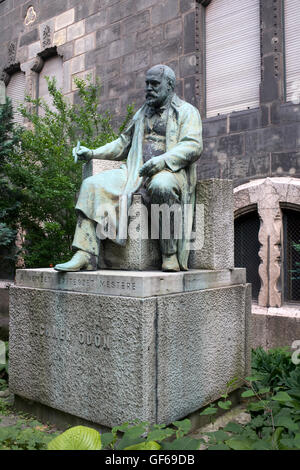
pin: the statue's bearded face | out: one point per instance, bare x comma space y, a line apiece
157, 89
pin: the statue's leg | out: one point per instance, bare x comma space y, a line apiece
164, 188
85, 241
85, 235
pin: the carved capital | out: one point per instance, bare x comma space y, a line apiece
205, 3
38, 64
5, 77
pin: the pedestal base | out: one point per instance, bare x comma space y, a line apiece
132, 353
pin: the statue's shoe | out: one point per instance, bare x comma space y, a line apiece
170, 264
80, 261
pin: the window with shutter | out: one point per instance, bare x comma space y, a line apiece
16, 91
53, 67
232, 56
292, 49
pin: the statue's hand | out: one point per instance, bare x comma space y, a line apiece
83, 153
153, 166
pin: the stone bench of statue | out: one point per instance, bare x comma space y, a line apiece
161, 146
212, 233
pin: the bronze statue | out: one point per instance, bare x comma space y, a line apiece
161, 145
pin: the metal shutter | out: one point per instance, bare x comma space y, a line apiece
16, 91
292, 49
52, 68
232, 56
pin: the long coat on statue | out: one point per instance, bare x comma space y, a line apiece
114, 188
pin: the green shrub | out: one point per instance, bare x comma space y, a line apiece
42, 171
137, 436
9, 204
275, 411
25, 435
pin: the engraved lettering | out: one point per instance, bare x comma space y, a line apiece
97, 341
106, 342
81, 338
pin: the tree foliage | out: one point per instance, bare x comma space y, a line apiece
9, 204
43, 173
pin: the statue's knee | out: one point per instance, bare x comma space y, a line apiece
162, 182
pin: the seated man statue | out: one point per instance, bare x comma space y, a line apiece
161, 145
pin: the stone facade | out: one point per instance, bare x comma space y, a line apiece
118, 40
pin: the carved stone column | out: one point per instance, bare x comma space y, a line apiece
270, 240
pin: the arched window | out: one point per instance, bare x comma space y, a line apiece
16, 92
232, 56
291, 255
246, 248
292, 49
53, 67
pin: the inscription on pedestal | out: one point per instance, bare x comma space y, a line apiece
129, 284
97, 339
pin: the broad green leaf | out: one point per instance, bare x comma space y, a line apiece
132, 436
209, 411
234, 428
252, 379
286, 423
184, 443
240, 444
220, 435
106, 439
263, 390
147, 445
282, 397
262, 445
77, 438
225, 405
258, 406
248, 393
160, 434
184, 425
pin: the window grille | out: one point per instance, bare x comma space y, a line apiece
246, 248
291, 258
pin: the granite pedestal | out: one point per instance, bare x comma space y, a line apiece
115, 346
